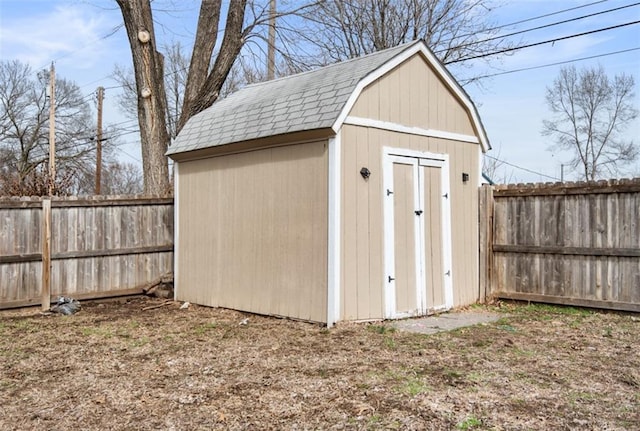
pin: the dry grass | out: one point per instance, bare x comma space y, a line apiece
114, 366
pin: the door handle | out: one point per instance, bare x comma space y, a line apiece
391, 279
418, 212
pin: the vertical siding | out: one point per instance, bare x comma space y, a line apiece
433, 238
404, 237
253, 231
363, 228
410, 95
362, 233
413, 95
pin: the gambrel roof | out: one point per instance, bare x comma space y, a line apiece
318, 99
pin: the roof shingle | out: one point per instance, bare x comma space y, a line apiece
306, 101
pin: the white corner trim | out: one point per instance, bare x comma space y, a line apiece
334, 231
441, 71
480, 166
395, 127
176, 228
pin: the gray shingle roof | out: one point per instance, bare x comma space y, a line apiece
306, 101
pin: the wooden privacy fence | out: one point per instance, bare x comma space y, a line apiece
83, 248
571, 243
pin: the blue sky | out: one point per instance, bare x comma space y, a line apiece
77, 35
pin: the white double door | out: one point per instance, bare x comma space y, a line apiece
417, 233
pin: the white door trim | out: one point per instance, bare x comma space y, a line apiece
388, 285
391, 156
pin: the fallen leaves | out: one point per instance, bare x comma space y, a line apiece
112, 366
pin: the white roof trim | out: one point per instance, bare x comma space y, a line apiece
440, 70
395, 127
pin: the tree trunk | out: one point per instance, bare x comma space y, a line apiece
206, 37
152, 103
209, 90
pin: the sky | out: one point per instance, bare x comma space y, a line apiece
85, 40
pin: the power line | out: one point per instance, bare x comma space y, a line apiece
546, 15
521, 168
556, 64
502, 51
96, 81
553, 24
491, 29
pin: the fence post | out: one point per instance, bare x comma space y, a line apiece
46, 254
485, 219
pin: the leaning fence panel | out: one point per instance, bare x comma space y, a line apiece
99, 247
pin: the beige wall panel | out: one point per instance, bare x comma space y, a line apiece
463, 157
361, 282
434, 276
376, 236
349, 247
253, 231
362, 199
404, 238
413, 95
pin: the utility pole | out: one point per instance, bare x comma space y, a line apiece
99, 142
52, 130
271, 49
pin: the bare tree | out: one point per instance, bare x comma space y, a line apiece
128, 99
122, 179
206, 75
148, 65
453, 29
243, 72
177, 64
24, 127
590, 112
175, 80
495, 168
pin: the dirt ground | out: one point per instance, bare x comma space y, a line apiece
115, 366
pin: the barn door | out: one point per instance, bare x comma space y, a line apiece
417, 256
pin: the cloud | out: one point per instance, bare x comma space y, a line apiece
66, 33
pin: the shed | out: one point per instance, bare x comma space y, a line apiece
345, 193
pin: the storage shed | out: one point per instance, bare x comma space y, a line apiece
345, 193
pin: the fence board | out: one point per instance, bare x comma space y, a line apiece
99, 247
576, 241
